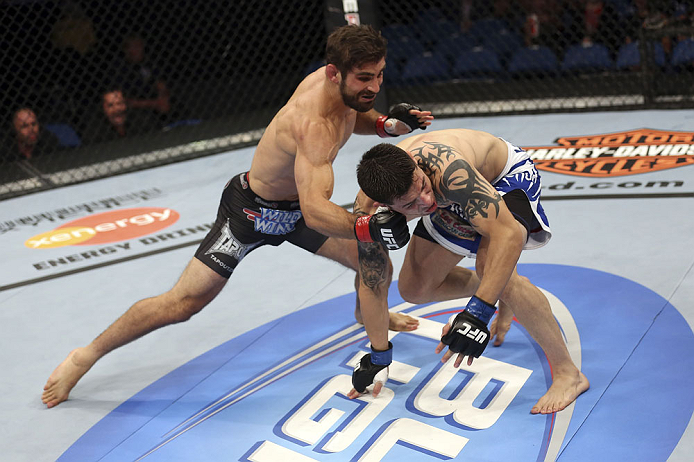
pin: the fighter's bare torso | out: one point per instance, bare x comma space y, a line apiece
272, 170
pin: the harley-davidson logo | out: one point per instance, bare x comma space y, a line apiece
616, 154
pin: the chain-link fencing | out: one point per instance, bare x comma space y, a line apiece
97, 88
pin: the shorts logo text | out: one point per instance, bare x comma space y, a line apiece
275, 222
227, 244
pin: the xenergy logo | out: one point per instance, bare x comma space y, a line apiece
107, 227
616, 154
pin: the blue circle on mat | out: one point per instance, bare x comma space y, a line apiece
248, 398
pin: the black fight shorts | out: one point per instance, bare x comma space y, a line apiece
246, 222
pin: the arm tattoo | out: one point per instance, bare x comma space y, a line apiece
373, 258
462, 184
373, 264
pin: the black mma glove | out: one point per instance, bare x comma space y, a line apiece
400, 112
468, 334
372, 368
385, 226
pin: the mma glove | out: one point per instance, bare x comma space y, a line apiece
385, 124
372, 368
468, 334
385, 226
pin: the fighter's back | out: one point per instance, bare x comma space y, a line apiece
484, 151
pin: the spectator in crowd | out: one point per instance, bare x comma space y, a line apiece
595, 21
144, 88
74, 30
542, 24
650, 15
27, 140
76, 65
509, 11
115, 121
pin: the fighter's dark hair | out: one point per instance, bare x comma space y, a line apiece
385, 173
352, 46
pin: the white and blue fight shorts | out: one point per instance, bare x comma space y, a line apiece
448, 227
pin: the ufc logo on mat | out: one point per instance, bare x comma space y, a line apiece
476, 334
388, 238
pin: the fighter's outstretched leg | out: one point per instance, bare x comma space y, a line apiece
197, 286
532, 310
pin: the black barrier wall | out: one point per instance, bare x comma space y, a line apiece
97, 88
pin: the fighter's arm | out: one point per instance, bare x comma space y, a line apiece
487, 213
374, 273
317, 146
466, 333
402, 119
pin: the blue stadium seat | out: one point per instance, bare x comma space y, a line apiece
683, 53
398, 32
476, 63
534, 60
430, 15
182, 123
401, 50
393, 72
483, 28
629, 55
426, 67
579, 58
67, 136
503, 43
436, 31
453, 46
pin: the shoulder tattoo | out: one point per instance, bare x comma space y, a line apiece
431, 156
462, 184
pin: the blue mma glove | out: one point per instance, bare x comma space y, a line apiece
468, 334
372, 368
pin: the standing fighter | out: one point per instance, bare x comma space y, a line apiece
287, 192
478, 195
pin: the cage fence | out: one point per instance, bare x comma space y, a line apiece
97, 88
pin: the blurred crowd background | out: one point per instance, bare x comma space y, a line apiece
96, 88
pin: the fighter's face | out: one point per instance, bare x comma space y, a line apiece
115, 108
360, 86
419, 200
27, 127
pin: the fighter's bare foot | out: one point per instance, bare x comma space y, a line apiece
564, 391
401, 322
64, 378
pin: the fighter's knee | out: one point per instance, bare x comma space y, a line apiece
185, 308
413, 292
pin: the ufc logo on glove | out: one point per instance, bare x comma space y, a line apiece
477, 335
388, 239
